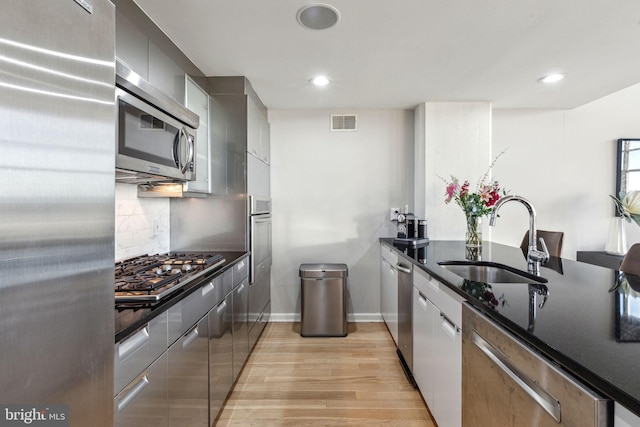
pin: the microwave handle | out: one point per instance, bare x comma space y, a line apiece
190, 147
192, 151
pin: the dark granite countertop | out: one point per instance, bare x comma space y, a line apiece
584, 326
128, 320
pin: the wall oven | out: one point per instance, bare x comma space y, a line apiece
155, 136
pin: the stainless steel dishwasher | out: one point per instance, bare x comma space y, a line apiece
507, 384
405, 317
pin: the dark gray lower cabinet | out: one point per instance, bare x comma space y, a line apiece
220, 355
240, 327
258, 326
143, 402
259, 306
189, 378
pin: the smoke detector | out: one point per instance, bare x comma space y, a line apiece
318, 16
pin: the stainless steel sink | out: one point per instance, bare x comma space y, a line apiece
490, 272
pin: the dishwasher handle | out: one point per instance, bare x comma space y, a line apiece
546, 400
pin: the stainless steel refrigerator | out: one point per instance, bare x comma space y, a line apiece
57, 207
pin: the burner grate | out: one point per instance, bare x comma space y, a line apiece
155, 276
147, 281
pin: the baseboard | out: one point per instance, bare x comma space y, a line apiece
351, 317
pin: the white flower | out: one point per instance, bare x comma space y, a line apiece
628, 206
631, 202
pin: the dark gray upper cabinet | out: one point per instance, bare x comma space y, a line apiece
132, 45
228, 124
239, 126
149, 52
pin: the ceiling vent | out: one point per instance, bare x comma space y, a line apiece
344, 122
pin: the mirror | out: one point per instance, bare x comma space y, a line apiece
628, 170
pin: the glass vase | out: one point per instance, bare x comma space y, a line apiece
473, 236
617, 239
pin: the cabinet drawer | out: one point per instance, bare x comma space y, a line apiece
258, 326
447, 301
189, 377
136, 352
259, 295
240, 271
190, 310
144, 401
389, 254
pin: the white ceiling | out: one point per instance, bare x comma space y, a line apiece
398, 53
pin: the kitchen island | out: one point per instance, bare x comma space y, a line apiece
580, 326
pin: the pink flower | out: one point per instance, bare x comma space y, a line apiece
465, 189
485, 194
451, 190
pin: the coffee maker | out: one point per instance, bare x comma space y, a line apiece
405, 225
411, 231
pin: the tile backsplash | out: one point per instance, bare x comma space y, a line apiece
142, 225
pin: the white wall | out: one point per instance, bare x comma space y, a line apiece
331, 195
564, 163
456, 140
142, 225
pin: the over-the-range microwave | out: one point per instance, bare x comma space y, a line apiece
155, 135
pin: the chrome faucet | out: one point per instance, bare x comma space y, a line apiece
534, 256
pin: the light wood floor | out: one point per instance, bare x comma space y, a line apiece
353, 381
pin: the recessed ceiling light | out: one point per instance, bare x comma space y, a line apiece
320, 81
318, 16
552, 78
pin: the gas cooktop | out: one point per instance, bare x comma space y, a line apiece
152, 278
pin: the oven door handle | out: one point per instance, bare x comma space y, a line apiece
545, 399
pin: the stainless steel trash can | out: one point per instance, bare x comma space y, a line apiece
324, 300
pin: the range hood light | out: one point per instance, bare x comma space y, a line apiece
552, 78
320, 81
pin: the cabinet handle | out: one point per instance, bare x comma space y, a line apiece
403, 269
133, 392
545, 399
422, 300
134, 343
221, 308
190, 337
448, 326
240, 288
207, 289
